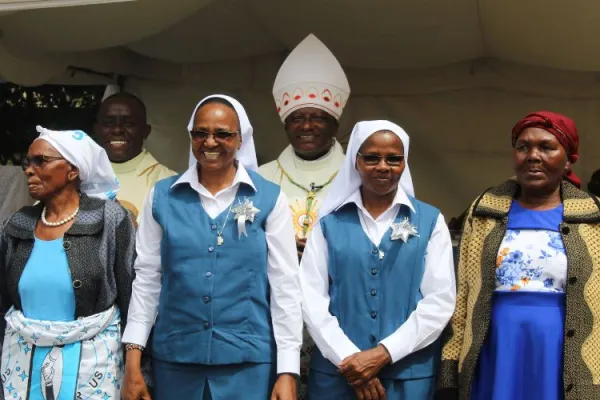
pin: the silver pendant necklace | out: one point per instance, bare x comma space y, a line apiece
220, 232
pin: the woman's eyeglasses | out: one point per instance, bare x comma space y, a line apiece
38, 161
218, 136
374, 159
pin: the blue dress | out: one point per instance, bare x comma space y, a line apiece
47, 294
522, 356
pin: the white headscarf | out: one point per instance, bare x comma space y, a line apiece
95, 172
348, 180
247, 153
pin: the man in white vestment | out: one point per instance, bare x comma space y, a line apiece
310, 91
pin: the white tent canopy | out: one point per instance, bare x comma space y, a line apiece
456, 75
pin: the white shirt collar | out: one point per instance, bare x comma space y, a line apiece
400, 199
191, 177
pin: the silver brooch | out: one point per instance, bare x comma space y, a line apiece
404, 229
244, 212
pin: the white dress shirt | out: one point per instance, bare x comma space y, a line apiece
426, 322
282, 270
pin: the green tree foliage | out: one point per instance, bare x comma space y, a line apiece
51, 106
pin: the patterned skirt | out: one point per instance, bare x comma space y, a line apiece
522, 356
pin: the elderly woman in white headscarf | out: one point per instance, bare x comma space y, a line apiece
66, 270
377, 277
217, 262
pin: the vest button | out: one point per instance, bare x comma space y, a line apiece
67, 245
211, 249
373, 315
76, 283
372, 339
213, 227
565, 230
570, 333
374, 271
206, 299
572, 280
206, 325
208, 274
373, 292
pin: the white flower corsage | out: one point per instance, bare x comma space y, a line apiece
404, 229
244, 212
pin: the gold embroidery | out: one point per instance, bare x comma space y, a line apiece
310, 197
148, 171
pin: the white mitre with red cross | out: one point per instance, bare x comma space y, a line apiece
311, 76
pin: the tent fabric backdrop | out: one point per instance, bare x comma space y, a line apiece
456, 75
460, 132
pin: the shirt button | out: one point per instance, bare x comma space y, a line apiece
206, 299
211, 249
206, 325
373, 315
213, 227
374, 271
374, 252
208, 274
372, 339
570, 333
373, 292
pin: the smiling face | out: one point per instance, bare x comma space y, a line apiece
540, 161
48, 173
381, 178
121, 128
310, 132
216, 136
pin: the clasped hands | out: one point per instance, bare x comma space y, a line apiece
361, 370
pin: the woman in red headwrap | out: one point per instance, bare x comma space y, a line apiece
527, 319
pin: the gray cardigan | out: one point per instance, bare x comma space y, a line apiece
100, 247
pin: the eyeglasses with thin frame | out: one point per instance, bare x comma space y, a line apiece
38, 161
222, 136
393, 160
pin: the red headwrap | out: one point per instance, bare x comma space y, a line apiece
563, 128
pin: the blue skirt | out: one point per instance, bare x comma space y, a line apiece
522, 356
323, 386
212, 382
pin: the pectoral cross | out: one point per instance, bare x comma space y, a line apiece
309, 202
313, 191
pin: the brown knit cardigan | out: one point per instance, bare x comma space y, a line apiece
484, 229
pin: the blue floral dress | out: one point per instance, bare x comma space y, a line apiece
522, 356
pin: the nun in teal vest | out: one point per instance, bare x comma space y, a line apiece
216, 274
377, 277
